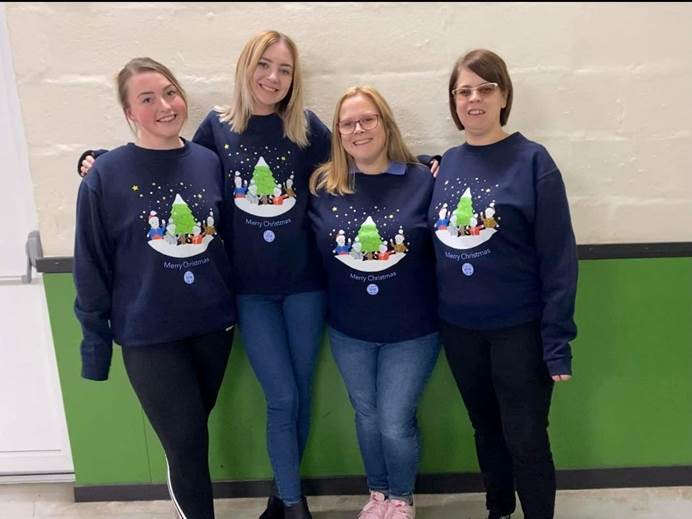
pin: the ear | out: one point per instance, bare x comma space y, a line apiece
504, 100
129, 115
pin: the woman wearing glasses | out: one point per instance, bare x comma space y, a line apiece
507, 274
369, 215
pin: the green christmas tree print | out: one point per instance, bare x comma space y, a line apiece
369, 237
182, 216
464, 209
263, 178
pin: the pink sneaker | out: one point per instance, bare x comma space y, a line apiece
400, 510
375, 508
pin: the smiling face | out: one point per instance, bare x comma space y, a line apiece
157, 110
272, 78
479, 112
368, 148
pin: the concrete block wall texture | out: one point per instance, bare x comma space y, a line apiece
605, 87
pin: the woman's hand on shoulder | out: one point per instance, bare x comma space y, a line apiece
432, 162
86, 165
434, 167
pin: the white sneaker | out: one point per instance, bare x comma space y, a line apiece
400, 510
375, 508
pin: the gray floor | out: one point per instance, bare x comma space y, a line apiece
55, 500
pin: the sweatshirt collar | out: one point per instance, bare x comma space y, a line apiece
394, 168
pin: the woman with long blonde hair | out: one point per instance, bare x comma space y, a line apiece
269, 145
369, 214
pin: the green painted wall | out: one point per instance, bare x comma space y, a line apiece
628, 405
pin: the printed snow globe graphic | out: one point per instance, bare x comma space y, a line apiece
465, 228
264, 196
369, 252
183, 236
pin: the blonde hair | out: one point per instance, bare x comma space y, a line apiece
290, 108
137, 66
334, 176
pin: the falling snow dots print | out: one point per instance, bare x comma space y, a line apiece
178, 222
468, 218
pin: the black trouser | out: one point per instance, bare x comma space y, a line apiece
507, 389
177, 384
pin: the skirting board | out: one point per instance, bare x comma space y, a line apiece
425, 484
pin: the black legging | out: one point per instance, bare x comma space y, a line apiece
177, 384
507, 390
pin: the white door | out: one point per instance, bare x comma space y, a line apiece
33, 434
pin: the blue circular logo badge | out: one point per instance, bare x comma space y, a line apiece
189, 277
269, 236
372, 289
467, 269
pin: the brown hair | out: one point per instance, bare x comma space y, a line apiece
137, 66
290, 108
490, 67
333, 176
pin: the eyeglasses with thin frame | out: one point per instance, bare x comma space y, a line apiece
484, 90
367, 122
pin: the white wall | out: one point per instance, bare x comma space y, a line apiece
606, 87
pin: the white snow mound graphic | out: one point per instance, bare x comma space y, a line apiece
180, 251
464, 242
371, 265
265, 210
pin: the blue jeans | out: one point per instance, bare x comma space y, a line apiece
385, 382
282, 335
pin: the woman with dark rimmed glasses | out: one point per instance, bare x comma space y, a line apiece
369, 216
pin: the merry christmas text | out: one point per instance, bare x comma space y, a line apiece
371, 277
466, 255
267, 223
185, 264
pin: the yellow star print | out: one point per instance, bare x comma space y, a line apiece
135, 187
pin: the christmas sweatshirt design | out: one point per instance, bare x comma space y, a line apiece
261, 194
182, 235
460, 224
366, 250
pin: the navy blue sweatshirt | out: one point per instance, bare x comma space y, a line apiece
266, 178
149, 263
378, 255
504, 243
